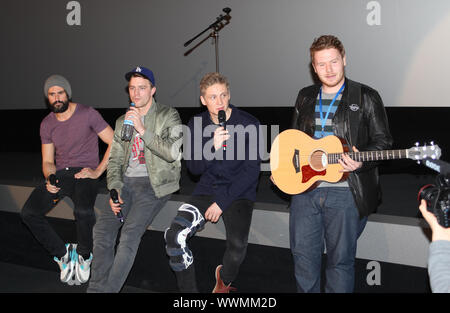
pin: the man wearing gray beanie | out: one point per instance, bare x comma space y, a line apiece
71, 167
58, 80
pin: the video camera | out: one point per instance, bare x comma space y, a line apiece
438, 196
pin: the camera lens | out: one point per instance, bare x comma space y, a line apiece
427, 192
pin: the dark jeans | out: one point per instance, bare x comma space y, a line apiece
237, 219
324, 216
83, 193
109, 270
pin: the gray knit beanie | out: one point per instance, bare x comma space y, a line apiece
57, 80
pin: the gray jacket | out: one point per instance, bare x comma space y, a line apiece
438, 266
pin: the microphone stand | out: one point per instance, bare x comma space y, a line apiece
220, 23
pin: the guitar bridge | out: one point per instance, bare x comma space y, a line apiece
296, 160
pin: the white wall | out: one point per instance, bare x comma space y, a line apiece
399, 47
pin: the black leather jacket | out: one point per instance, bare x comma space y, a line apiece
361, 120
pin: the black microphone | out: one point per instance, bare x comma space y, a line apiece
52, 181
222, 123
115, 198
227, 10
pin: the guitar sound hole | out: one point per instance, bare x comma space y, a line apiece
318, 161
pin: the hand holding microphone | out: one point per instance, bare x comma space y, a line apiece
115, 199
54, 182
221, 134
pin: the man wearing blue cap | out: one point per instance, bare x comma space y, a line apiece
145, 172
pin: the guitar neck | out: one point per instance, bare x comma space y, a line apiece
370, 155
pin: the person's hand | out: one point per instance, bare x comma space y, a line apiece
115, 207
52, 188
87, 173
220, 135
348, 164
272, 180
134, 116
213, 213
439, 232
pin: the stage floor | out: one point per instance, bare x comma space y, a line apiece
25, 267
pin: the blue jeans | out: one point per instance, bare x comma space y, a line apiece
324, 216
109, 271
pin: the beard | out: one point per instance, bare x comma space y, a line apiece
61, 109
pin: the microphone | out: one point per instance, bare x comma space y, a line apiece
115, 198
222, 123
52, 181
227, 10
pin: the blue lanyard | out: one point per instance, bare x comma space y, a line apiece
322, 119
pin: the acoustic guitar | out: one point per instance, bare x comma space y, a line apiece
299, 162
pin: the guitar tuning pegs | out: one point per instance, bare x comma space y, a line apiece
418, 162
432, 143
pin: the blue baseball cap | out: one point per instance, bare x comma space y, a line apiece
143, 71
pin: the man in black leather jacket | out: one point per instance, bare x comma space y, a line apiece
336, 213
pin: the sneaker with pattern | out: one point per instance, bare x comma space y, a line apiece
83, 268
65, 265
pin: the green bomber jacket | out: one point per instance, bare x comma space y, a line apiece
163, 139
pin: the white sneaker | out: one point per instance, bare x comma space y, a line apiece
65, 265
83, 269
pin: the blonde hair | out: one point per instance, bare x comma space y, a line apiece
211, 79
